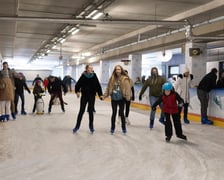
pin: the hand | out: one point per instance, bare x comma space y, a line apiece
78, 94
140, 97
153, 108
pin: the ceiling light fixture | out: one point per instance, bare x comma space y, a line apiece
97, 15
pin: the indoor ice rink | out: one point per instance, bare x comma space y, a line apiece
43, 147
60, 37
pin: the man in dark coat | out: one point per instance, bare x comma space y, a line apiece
55, 87
20, 84
207, 83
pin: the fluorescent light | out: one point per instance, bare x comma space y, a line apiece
75, 32
54, 47
97, 15
63, 40
71, 30
86, 54
91, 14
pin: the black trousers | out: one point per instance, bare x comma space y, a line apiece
114, 105
90, 99
54, 95
176, 122
126, 108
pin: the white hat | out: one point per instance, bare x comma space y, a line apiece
186, 69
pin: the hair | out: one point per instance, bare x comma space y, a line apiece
5, 63
114, 75
214, 70
87, 66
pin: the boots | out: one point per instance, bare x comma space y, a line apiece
205, 120
186, 121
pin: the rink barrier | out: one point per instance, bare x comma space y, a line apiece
191, 116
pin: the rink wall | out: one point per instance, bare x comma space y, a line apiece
215, 109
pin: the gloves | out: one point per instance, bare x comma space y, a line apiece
180, 105
153, 108
140, 97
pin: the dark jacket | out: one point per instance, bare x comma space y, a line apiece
169, 102
154, 82
220, 83
88, 84
20, 84
208, 82
37, 91
56, 86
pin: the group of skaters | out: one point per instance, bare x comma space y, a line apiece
13, 84
172, 99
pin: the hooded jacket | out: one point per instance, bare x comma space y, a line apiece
154, 82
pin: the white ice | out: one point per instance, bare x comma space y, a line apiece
43, 147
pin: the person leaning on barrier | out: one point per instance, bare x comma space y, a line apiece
207, 83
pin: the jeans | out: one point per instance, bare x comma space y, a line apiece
152, 100
21, 95
203, 97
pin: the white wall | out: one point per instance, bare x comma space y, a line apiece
31, 74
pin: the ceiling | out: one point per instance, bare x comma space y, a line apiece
30, 29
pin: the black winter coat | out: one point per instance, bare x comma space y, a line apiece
88, 84
208, 82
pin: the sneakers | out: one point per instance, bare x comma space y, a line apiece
75, 130
186, 121
182, 137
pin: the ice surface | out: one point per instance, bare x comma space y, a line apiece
43, 147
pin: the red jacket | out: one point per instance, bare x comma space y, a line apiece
169, 102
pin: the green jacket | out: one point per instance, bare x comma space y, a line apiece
155, 86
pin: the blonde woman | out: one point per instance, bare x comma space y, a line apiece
119, 89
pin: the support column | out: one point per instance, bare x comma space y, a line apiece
196, 64
135, 68
105, 72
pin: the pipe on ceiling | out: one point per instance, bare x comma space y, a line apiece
94, 21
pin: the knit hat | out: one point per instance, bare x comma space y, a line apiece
5, 73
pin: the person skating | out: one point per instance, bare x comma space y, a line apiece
55, 88
87, 85
37, 92
169, 98
154, 82
119, 89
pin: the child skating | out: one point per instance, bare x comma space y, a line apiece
169, 98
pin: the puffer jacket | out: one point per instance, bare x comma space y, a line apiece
125, 86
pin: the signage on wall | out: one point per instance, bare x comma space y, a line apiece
194, 51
